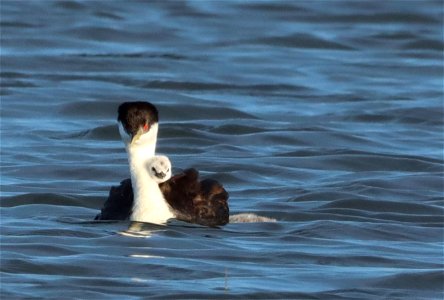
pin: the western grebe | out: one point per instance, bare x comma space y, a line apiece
187, 198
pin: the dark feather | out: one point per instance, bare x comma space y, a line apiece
119, 204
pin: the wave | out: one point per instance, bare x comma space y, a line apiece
52, 199
300, 40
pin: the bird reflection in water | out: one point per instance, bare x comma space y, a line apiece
140, 229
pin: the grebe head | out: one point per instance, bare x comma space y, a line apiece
138, 123
159, 168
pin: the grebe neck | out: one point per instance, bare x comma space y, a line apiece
149, 203
144, 147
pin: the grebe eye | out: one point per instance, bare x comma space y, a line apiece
146, 127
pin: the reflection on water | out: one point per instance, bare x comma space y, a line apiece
326, 117
138, 229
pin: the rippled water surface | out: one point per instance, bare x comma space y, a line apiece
325, 115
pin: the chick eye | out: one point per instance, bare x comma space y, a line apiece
153, 169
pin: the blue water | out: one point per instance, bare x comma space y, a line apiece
324, 115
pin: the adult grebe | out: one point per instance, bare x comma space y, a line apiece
190, 200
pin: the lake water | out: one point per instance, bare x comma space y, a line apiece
325, 115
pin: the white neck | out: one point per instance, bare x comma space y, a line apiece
149, 204
144, 147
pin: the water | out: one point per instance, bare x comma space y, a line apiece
326, 116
